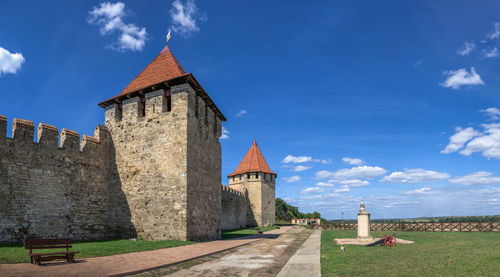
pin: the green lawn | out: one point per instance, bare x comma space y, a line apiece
17, 254
433, 254
244, 232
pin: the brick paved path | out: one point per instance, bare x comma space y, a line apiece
130, 263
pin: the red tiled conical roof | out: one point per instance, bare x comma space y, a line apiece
164, 67
252, 162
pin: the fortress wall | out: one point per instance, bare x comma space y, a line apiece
54, 187
250, 183
234, 209
260, 188
268, 199
204, 168
149, 147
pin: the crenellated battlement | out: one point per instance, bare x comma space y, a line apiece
3, 127
48, 136
236, 193
22, 130
177, 102
234, 208
65, 171
252, 176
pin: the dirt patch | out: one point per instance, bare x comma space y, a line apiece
263, 258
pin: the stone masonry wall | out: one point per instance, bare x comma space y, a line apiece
150, 151
268, 199
204, 168
168, 161
56, 189
261, 195
234, 209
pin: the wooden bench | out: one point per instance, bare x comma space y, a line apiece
38, 244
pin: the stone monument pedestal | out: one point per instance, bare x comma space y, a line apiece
364, 224
364, 237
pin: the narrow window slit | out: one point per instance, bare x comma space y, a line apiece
142, 106
206, 115
119, 112
167, 103
215, 124
195, 105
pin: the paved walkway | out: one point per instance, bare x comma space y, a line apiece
131, 263
306, 261
264, 258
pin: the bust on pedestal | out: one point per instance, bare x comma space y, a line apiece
363, 223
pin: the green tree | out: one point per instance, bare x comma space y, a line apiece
285, 212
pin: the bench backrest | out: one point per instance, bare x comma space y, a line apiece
32, 243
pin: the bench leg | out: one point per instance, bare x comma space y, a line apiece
70, 257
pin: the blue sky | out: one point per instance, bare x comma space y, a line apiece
392, 103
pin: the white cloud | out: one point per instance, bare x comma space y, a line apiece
323, 184
225, 133
413, 176
184, 16
359, 172
451, 200
110, 17
343, 189
470, 141
461, 77
423, 190
294, 159
241, 113
10, 63
491, 125
292, 179
493, 113
353, 183
322, 161
488, 144
301, 168
458, 140
496, 31
311, 190
467, 48
313, 197
346, 183
323, 174
352, 161
476, 178
491, 53
303, 159
289, 200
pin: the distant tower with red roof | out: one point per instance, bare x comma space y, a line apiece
165, 133
254, 177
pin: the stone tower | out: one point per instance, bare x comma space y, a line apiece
254, 176
165, 133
